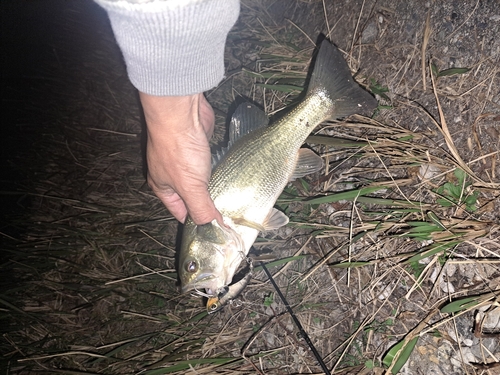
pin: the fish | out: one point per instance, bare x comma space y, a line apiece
230, 292
251, 173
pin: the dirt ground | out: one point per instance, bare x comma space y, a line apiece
88, 252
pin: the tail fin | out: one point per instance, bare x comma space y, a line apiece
332, 75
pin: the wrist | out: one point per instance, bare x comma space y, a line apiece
172, 113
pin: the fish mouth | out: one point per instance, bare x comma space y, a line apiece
207, 281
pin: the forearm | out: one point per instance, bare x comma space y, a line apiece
175, 47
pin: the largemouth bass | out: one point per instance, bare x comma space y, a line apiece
256, 167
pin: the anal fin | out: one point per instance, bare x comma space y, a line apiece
307, 162
276, 219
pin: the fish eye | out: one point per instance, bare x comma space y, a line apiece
191, 266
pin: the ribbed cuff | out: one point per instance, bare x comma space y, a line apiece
173, 48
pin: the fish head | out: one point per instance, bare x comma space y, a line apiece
205, 253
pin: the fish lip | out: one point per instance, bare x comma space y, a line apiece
186, 288
198, 282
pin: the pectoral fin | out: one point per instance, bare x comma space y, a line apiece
276, 219
307, 162
250, 224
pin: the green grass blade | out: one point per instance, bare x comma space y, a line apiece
452, 71
14, 308
431, 250
390, 202
275, 74
461, 304
334, 142
280, 262
346, 195
282, 88
185, 365
122, 347
350, 264
402, 357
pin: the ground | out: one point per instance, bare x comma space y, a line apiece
90, 283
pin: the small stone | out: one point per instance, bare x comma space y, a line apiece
269, 337
330, 210
422, 349
456, 363
484, 308
447, 287
385, 293
492, 320
468, 342
369, 33
424, 244
434, 275
450, 269
451, 332
428, 171
468, 356
434, 359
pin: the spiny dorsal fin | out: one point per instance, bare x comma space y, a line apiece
246, 119
217, 156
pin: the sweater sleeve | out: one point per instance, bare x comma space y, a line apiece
172, 47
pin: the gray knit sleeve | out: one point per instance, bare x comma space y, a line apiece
172, 47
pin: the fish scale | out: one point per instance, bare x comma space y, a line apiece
262, 163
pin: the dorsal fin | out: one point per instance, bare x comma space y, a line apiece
217, 156
246, 119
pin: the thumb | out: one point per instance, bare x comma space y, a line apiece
201, 208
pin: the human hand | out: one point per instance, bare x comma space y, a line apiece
178, 154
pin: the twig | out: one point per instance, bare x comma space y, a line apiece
425, 41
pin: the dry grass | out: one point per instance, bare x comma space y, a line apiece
92, 286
